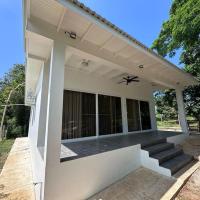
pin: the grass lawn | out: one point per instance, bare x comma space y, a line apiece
5, 146
168, 124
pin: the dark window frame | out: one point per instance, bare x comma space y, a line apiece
116, 118
73, 124
138, 118
145, 114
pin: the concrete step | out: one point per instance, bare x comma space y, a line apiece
158, 148
177, 162
154, 142
163, 156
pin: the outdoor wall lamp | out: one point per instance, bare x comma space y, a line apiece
71, 34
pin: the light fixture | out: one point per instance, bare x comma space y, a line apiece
71, 34
85, 62
141, 66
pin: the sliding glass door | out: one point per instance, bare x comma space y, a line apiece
79, 115
145, 115
110, 115
133, 115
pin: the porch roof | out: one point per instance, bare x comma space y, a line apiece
113, 53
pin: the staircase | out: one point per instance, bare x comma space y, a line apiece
164, 157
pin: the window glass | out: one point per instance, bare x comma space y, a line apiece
79, 115
133, 115
110, 115
145, 115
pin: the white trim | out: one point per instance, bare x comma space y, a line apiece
103, 136
140, 116
61, 19
97, 114
87, 32
124, 115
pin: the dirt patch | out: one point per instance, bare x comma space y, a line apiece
191, 190
192, 146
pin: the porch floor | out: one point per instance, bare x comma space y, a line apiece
79, 149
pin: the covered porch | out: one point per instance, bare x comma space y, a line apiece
80, 149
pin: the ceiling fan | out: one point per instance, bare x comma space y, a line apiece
128, 79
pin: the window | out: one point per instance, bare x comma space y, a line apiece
145, 115
133, 115
110, 115
79, 115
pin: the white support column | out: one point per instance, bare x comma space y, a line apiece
153, 113
54, 117
43, 106
124, 115
181, 111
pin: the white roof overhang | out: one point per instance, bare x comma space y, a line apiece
96, 38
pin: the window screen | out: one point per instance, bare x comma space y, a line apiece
79, 115
110, 115
133, 115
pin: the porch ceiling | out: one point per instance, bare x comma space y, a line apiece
124, 56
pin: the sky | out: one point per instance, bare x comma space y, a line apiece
140, 18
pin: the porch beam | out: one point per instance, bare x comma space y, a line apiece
106, 71
181, 111
113, 74
117, 52
105, 42
87, 32
37, 57
61, 19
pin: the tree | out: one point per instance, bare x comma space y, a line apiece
182, 32
16, 119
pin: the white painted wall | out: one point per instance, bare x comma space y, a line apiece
81, 178
35, 112
38, 167
177, 139
80, 81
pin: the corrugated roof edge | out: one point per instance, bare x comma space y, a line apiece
120, 31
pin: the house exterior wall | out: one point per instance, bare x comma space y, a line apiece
95, 172
82, 178
33, 134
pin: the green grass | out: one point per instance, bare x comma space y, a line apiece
5, 146
168, 124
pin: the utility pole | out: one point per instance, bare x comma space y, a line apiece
5, 108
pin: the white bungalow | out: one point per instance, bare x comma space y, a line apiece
90, 87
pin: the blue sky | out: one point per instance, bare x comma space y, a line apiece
140, 18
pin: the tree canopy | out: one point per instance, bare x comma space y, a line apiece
16, 118
182, 32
